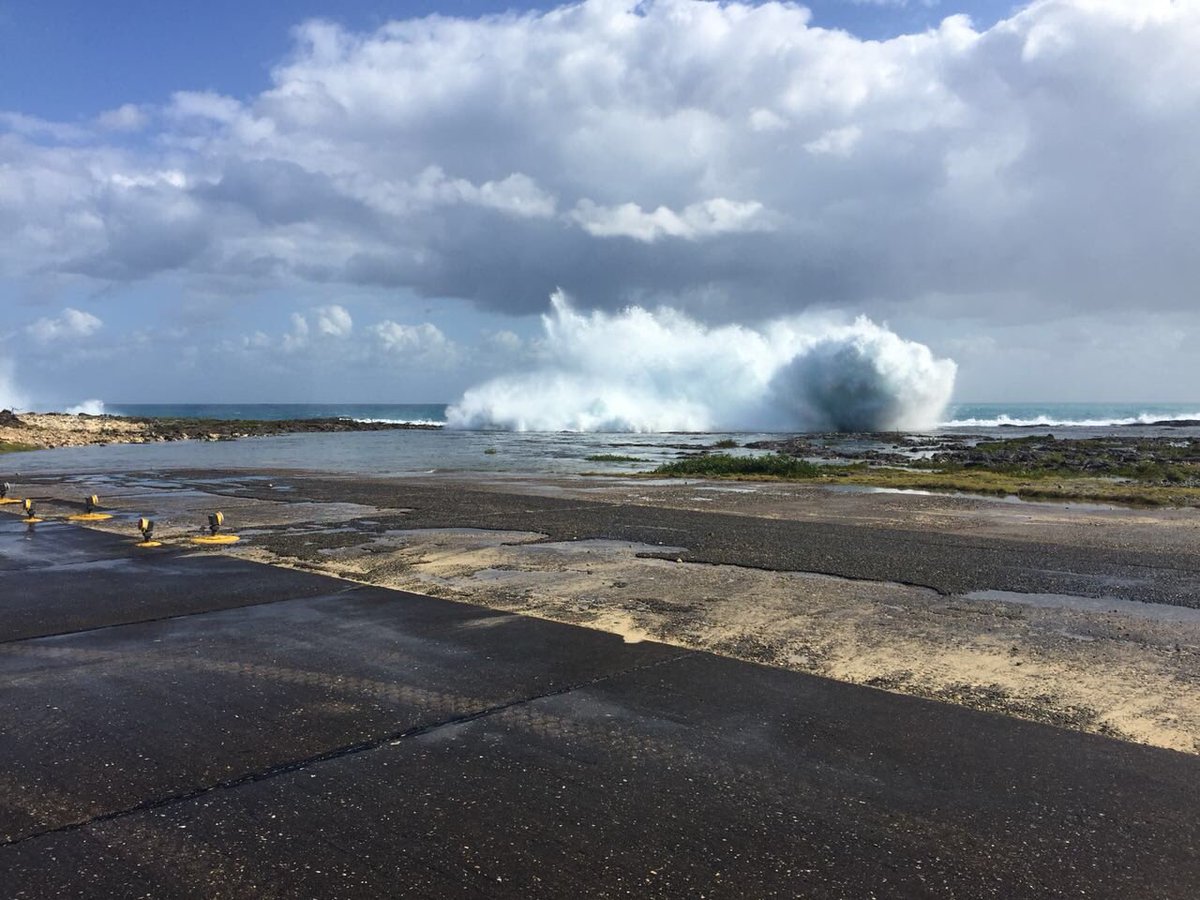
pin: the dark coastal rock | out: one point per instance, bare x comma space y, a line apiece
228, 430
8, 417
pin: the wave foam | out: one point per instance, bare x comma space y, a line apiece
432, 422
86, 408
10, 397
643, 371
1046, 421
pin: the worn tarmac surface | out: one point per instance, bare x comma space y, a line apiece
947, 562
181, 724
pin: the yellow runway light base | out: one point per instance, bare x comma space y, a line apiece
32, 520
148, 544
216, 539
88, 517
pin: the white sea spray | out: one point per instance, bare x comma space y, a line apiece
86, 408
10, 396
659, 370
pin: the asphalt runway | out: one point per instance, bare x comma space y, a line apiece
948, 563
180, 724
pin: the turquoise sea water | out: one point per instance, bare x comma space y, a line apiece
494, 452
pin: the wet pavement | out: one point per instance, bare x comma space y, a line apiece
182, 724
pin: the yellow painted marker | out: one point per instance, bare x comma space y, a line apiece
27, 505
146, 527
89, 514
215, 521
216, 539
4, 498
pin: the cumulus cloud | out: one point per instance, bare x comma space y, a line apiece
72, 323
334, 321
425, 342
698, 220
297, 337
127, 117
728, 152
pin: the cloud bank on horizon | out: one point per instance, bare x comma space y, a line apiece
729, 160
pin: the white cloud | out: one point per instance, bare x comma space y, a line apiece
424, 342
71, 324
334, 321
836, 141
728, 157
504, 342
297, 337
127, 117
698, 220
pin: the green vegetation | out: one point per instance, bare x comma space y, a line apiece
1047, 485
14, 447
1125, 471
722, 465
726, 444
611, 457
490, 451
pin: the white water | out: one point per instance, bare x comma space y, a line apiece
657, 371
1049, 420
86, 408
10, 397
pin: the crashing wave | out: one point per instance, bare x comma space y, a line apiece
1048, 421
658, 371
86, 408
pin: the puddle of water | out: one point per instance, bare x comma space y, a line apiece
1157, 612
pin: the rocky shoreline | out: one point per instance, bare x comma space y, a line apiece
1159, 459
39, 431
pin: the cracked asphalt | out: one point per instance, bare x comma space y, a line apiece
184, 724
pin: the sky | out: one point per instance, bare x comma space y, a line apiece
373, 201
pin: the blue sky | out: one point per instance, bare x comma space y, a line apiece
375, 211
70, 59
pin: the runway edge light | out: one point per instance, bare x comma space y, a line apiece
146, 527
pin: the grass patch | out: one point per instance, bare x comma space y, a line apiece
15, 447
612, 457
726, 444
1028, 484
722, 465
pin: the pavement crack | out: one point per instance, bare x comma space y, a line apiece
348, 750
350, 587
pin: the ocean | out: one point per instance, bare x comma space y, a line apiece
407, 452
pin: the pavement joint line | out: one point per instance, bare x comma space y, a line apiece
349, 588
348, 750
